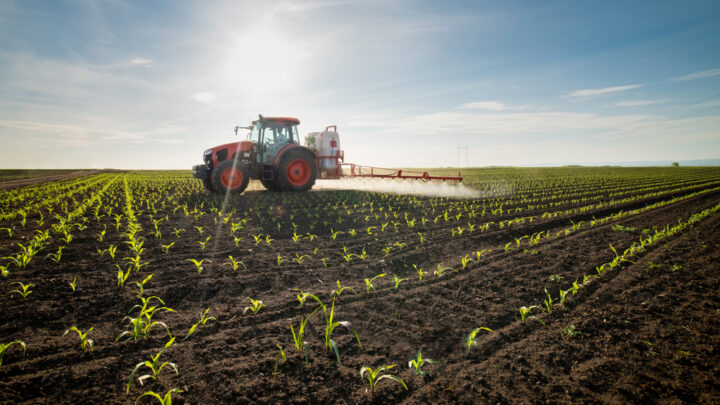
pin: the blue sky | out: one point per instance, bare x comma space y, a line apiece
151, 84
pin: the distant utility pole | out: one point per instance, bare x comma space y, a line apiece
459, 150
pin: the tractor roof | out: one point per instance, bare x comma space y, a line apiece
280, 120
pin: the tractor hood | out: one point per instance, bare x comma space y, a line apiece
217, 154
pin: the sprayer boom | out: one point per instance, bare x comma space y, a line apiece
381, 173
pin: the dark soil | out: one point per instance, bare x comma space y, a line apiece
648, 332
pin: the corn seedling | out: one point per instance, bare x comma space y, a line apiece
440, 270
122, 276
235, 264
203, 243
5, 346
575, 287
464, 261
237, 240
303, 296
255, 306
198, 264
73, 284
419, 272
139, 327
279, 359
570, 331
471, 339
563, 296
418, 362
85, 342
268, 240
200, 229
164, 400
369, 282
203, 320
136, 263
166, 248
141, 285
397, 280
524, 311
298, 338
339, 290
373, 377
330, 326
57, 256
4, 270
24, 290
177, 232
111, 251
549, 303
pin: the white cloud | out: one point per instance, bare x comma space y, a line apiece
636, 103
698, 75
204, 97
603, 90
486, 105
142, 62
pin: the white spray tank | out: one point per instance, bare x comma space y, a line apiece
326, 143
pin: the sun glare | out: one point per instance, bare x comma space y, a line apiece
263, 63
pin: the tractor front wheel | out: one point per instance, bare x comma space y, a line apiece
230, 176
297, 171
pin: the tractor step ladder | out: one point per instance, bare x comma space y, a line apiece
267, 172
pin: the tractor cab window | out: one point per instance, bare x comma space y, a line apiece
276, 137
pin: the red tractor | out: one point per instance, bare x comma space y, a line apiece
272, 154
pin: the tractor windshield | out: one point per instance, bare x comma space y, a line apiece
275, 136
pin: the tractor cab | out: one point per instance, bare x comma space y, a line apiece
272, 135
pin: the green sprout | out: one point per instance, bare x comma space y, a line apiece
418, 362
73, 284
397, 280
198, 264
471, 339
203, 243
235, 264
330, 326
298, 338
369, 282
203, 320
141, 285
570, 331
5, 346
373, 377
524, 311
440, 270
279, 359
85, 342
166, 248
339, 290
24, 289
255, 306
164, 400
419, 272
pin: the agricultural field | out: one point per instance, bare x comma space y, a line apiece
550, 285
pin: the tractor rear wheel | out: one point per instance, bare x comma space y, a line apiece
229, 176
297, 171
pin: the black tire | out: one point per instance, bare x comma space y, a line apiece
297, 170
224, 177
